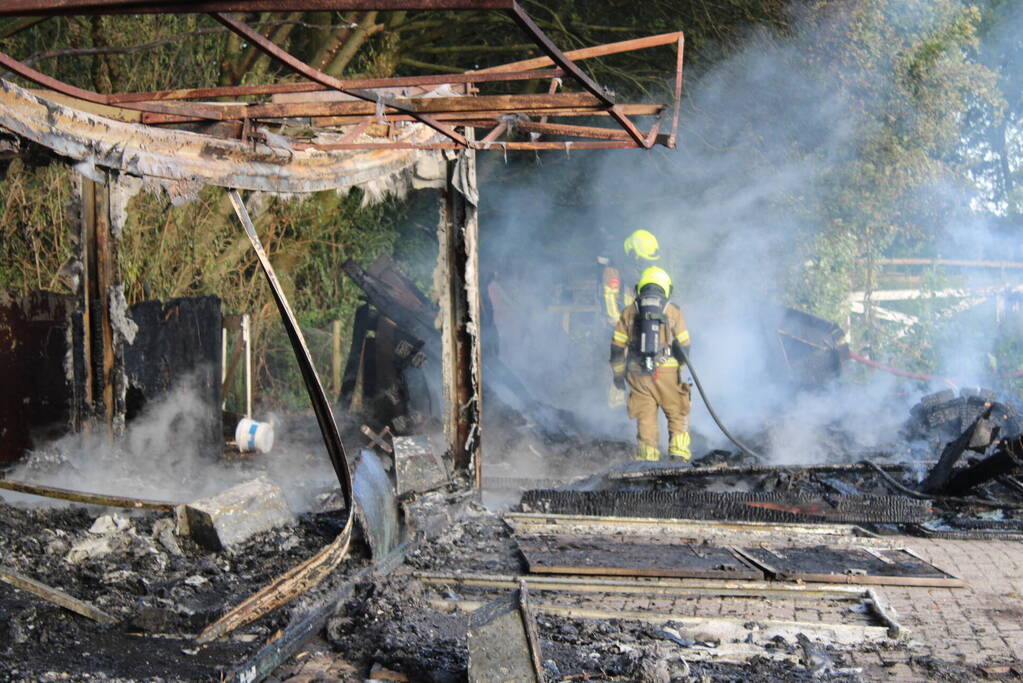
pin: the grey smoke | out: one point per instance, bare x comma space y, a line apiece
162, 458
759, 131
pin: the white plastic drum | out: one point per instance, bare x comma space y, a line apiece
254, 436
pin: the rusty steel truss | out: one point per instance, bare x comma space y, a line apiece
374, 106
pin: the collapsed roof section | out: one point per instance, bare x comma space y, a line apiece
180, 136
182, 162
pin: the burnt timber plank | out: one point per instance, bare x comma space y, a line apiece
893, 567
55, 595
613, 557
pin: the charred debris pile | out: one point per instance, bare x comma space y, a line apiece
955, 473
141, 592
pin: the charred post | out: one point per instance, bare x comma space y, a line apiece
104, 385
458, 279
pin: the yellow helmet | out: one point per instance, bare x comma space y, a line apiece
655, 276
643, 244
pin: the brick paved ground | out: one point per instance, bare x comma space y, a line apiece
980, 624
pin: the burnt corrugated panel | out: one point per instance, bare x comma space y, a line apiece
736, 506
37, 401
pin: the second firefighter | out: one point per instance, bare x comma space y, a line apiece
646, 353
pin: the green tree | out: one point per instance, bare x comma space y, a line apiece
907, 74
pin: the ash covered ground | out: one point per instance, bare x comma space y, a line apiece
393, 622
162, 589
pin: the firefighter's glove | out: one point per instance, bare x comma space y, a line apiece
615, 397
619, 382
678, 447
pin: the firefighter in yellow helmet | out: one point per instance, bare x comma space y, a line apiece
646, 353
617, 279
641, 250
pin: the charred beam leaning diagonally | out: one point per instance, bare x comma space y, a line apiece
978, 435
1007, 459
311, 572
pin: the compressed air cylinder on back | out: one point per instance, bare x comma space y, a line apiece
651, 317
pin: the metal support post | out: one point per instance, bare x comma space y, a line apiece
247, 340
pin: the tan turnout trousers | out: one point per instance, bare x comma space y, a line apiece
662, 388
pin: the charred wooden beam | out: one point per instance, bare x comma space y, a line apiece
86, 497
1007, 460
55, 595
103, 359
978, 435
395, 296
461, 325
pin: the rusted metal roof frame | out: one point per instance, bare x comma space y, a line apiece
289, 88
155, 111
70, 7
267, 46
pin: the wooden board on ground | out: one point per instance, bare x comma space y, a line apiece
893, 567
627, 557
502, 641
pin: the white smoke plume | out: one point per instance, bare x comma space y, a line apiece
732, 209
163, 457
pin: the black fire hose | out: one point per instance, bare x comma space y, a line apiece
710, 409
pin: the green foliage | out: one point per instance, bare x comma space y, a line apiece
199, 248
35, 240
905, 70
